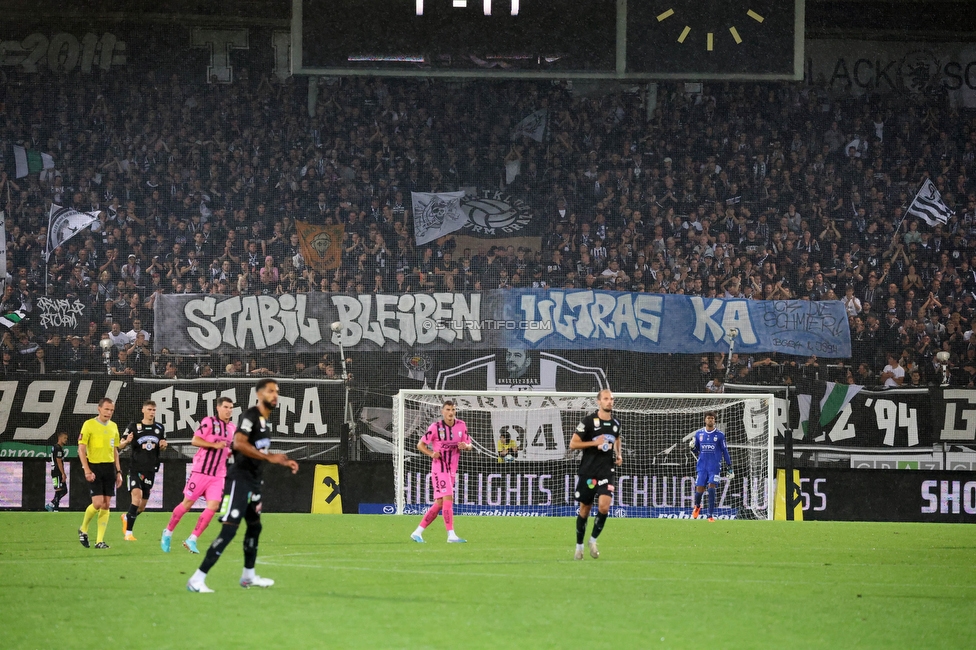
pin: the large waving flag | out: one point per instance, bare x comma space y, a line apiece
321, 245
836, 397
437, 214
533, 126
65, 223
12, 318
929, 206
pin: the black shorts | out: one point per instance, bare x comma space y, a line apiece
142, 480
57, 482
104, 483
589, 488
242, 500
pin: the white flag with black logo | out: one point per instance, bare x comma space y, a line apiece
533, 126
437, 214
65, 223
928, 205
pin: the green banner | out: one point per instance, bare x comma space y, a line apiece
9, 450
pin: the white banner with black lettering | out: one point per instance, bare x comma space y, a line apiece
858, 67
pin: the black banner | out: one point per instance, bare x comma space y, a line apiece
306, 408
882, 419
31, 412
892, 418
878, 495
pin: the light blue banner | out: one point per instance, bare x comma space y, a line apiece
644, 322
542, 319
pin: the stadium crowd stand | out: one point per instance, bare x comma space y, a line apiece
762, 191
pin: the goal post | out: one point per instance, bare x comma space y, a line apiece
521, 464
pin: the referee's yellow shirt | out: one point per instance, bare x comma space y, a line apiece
100, 440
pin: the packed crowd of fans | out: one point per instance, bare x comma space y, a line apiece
761, 191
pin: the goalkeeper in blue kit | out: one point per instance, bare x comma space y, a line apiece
709, 445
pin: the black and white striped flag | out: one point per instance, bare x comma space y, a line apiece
928, 205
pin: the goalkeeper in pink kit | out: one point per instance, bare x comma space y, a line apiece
213, 437
443, 442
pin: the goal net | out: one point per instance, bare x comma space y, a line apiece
521, 464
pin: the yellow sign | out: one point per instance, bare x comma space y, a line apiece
326, 499
779, 511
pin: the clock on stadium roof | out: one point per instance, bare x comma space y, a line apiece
701, 39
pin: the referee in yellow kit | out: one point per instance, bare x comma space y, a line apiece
98, 449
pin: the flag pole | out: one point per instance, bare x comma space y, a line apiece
47, 254
9, 206
47, 250
904, 214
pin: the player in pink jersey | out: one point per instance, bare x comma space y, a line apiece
214, 437
443, 442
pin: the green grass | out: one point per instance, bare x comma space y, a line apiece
359, 582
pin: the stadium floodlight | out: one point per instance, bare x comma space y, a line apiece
521, 464
942, 358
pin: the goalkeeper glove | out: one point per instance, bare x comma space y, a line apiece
691, 443
731, 474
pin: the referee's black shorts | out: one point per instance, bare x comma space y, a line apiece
104, 483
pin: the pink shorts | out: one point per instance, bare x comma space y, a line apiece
211, 488
443, 485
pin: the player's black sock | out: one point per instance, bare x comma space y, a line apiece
59, 494
580, 529
711, 502
130, 517
251, 535
601, 519
224, 538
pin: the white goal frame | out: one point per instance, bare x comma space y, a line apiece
399, 408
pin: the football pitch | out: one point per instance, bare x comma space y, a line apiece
359, 582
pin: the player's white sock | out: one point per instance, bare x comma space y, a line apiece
198, 576
248, 574
592, 539
191, 538
419, 531
579, 547
451, 534
167, 532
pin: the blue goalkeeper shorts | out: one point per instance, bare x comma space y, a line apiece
708, 474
